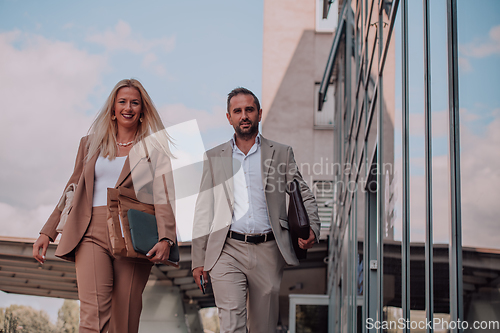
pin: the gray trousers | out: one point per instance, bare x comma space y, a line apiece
246, 282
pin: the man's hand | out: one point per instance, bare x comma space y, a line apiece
41, 243
307, 243
161, 251
197, 273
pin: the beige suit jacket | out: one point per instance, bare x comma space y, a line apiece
79, 216
214, 206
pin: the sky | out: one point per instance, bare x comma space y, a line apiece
59, 60
479, 82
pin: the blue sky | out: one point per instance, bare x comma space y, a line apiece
479, 81
210, 46
59, 61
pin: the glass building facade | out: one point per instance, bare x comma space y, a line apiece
415, 232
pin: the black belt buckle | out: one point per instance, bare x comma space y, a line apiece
254, 239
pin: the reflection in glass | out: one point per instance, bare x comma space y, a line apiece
392, 171
311, 318
440, 157
416, 155
479, 70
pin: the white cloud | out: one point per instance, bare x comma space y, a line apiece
19, 222
68, 25
45, 91
150, 61
464, 65
122, 38
480, 181
439, 123
483, 48
207, 120
467, 116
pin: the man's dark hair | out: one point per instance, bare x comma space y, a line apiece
245, 91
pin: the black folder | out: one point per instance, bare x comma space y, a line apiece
144, 233
298, 219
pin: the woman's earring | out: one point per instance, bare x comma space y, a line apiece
140, 119
113, 117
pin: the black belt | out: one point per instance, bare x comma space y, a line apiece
255, 239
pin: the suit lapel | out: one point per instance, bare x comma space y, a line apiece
135, 156
267, 153
89, 177
227, 164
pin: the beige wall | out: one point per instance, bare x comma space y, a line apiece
284, 23
294, 58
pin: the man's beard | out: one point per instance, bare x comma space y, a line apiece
249, 132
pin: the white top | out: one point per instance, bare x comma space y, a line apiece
105, 176
250, 208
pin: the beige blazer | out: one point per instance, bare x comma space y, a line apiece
214, 206
79, 216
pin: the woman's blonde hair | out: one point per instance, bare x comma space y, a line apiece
102, 133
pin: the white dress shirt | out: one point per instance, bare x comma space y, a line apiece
250, 207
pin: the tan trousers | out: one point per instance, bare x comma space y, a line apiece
110, 289
246, 282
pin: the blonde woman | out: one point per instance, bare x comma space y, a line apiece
110, 287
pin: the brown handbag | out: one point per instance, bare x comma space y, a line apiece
120, 201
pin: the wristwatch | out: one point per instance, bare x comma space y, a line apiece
171, 243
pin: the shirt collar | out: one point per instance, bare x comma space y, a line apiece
233, 141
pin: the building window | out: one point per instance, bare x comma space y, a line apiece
324, 119
330, 23
323, 192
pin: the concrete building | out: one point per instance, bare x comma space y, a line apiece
410, 236
402, 245
296, 43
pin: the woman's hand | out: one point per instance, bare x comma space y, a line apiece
161, 251
41, 243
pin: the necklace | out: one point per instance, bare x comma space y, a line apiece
124, 144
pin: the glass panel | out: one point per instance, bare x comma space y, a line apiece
440, 158
371, 47
353, 114
416, 154
391, 171
360, 195
361, 135
324, 118
386, 18
344, 287
479, 80
311, 318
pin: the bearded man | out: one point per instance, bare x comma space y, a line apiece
240, 232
